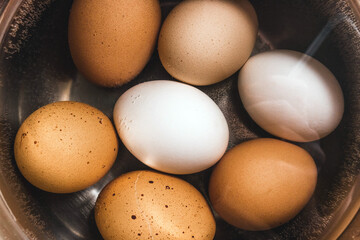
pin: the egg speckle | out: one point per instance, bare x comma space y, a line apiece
263, 183
65, 147
150, 205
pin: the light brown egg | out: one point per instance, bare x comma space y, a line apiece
263, 183
112, 40
65, 147
203, 42
150, 205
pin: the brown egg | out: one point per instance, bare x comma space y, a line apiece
150, 205
65, 147
112, 40
204, 42
263, 183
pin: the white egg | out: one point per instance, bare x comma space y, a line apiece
291, 95
171, 126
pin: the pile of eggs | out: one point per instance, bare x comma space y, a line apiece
175, 128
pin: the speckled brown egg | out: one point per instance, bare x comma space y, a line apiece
111, 41
204, 42
150, 205
65, 147
262, 183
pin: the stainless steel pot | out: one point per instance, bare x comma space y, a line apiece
36, 68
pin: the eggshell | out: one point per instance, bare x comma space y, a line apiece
171, 126
149, 205
263, 183
65, 147
204, 42
291, 95
112, 40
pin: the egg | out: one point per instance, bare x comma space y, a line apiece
171, 126
111, 41
291, 95
149, 205
263, 183
64, 147
205, 42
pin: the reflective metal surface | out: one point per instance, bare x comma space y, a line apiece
36, 68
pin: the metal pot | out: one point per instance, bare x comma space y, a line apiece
36, 68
